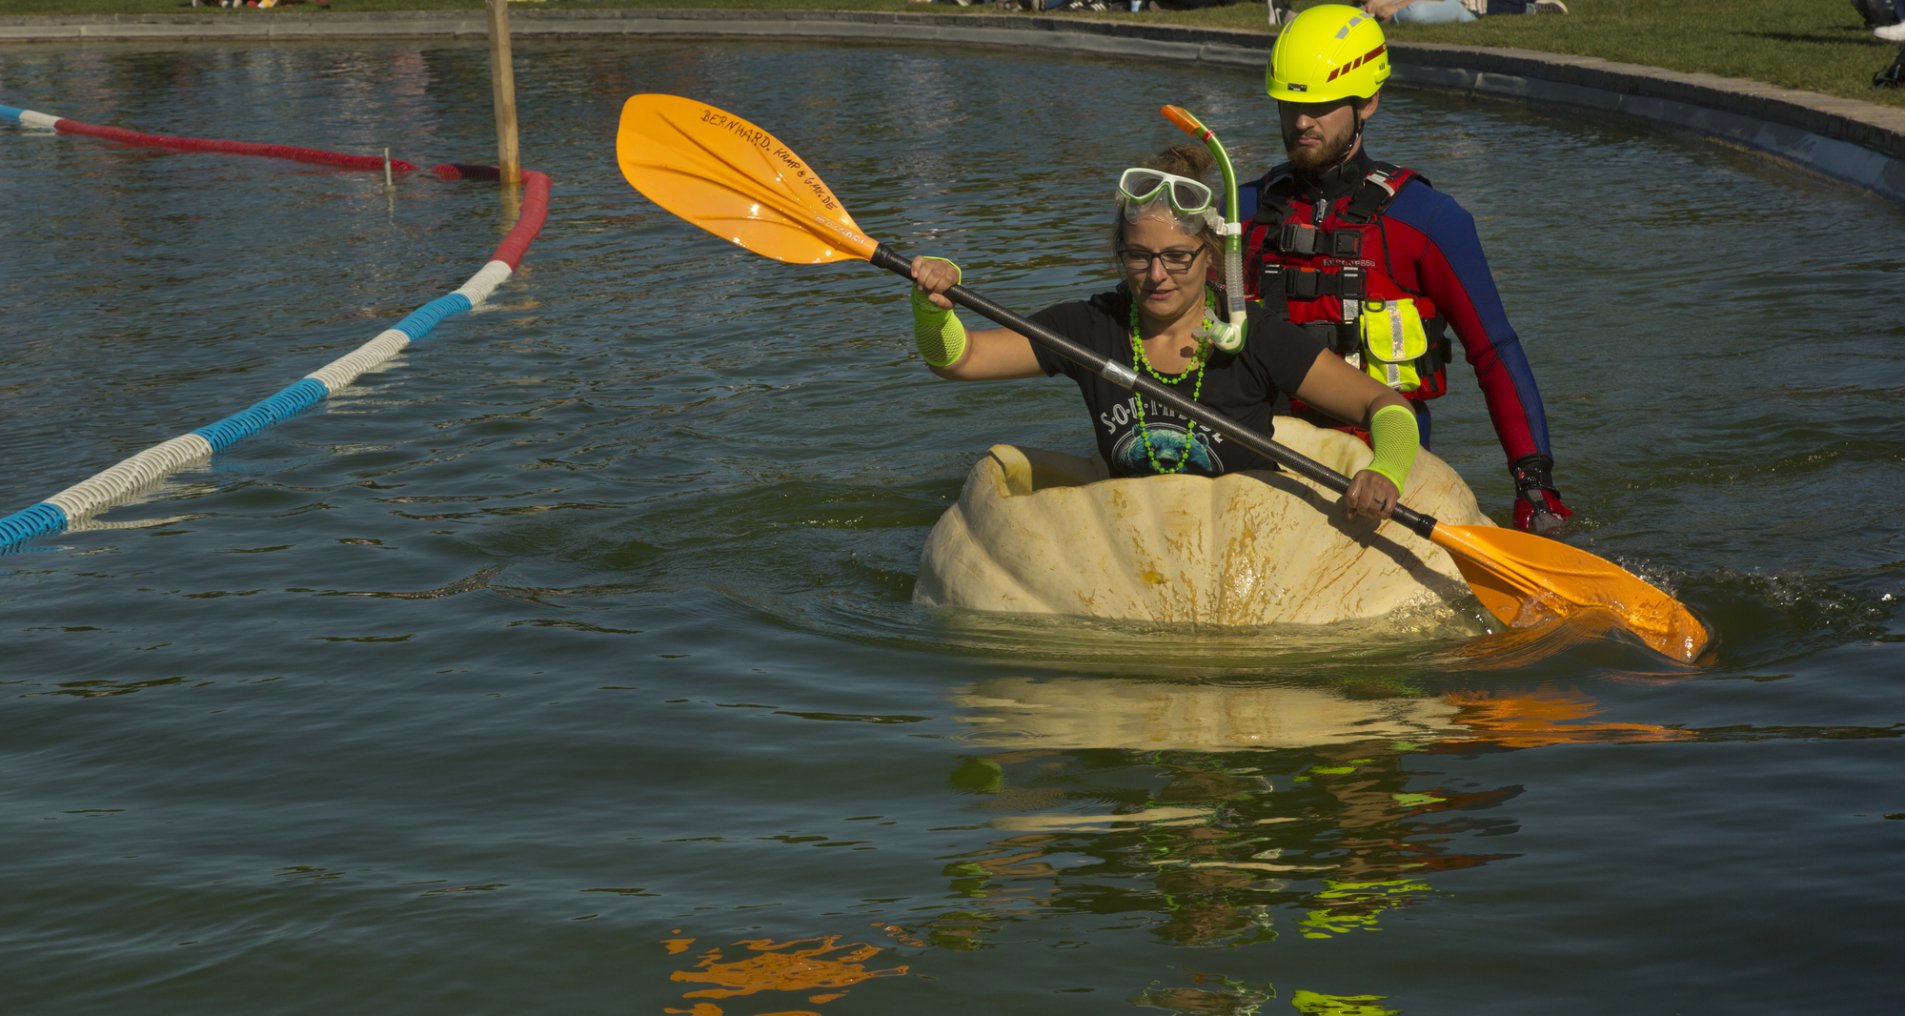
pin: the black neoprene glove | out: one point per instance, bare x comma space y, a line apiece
1538, 507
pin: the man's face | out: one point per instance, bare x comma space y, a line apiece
1320, 135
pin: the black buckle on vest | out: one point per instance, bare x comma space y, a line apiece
1305, 240
1302, 284
1299, 238
1269, 281
1294, 283
1351, 283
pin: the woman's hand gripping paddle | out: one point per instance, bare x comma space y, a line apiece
738, 182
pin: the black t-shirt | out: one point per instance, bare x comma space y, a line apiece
1242, 387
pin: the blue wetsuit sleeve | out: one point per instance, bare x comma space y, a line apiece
1452, 271
1247, 200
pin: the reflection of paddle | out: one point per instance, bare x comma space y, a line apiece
738, 182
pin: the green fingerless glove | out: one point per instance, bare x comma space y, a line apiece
1395, 438
937, 331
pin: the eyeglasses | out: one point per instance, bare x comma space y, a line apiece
1176, 262
1140, 186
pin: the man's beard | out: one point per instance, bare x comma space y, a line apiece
1312, 161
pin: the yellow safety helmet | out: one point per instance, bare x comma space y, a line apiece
1326, 53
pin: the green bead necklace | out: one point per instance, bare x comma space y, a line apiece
1140, 362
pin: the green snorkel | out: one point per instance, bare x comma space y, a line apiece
1228, 334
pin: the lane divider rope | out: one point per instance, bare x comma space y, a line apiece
120, 482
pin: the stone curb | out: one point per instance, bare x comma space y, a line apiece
1856, 142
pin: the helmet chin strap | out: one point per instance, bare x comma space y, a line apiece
1355, 136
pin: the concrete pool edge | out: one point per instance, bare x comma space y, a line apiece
1850, 141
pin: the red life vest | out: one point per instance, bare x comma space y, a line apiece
1327, 260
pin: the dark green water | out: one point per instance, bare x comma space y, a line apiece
568, 665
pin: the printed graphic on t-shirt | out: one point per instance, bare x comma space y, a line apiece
1169, 446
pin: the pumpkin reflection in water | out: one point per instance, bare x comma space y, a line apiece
1230, 815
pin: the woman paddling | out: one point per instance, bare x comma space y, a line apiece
1164, 318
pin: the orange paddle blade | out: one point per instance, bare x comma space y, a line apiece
734, 180
1522, 578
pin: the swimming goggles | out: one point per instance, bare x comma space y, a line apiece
1138, 187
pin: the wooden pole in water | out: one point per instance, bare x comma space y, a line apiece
503, 87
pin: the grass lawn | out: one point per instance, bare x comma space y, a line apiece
1813, 45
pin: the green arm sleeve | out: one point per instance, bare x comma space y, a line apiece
937, 331
1394, 437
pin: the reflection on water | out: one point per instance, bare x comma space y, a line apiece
811, 972
1060, 712
1230, 814
1208, 850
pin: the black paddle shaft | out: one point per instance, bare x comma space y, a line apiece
1130, 380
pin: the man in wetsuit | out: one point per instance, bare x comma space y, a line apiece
1374, 260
